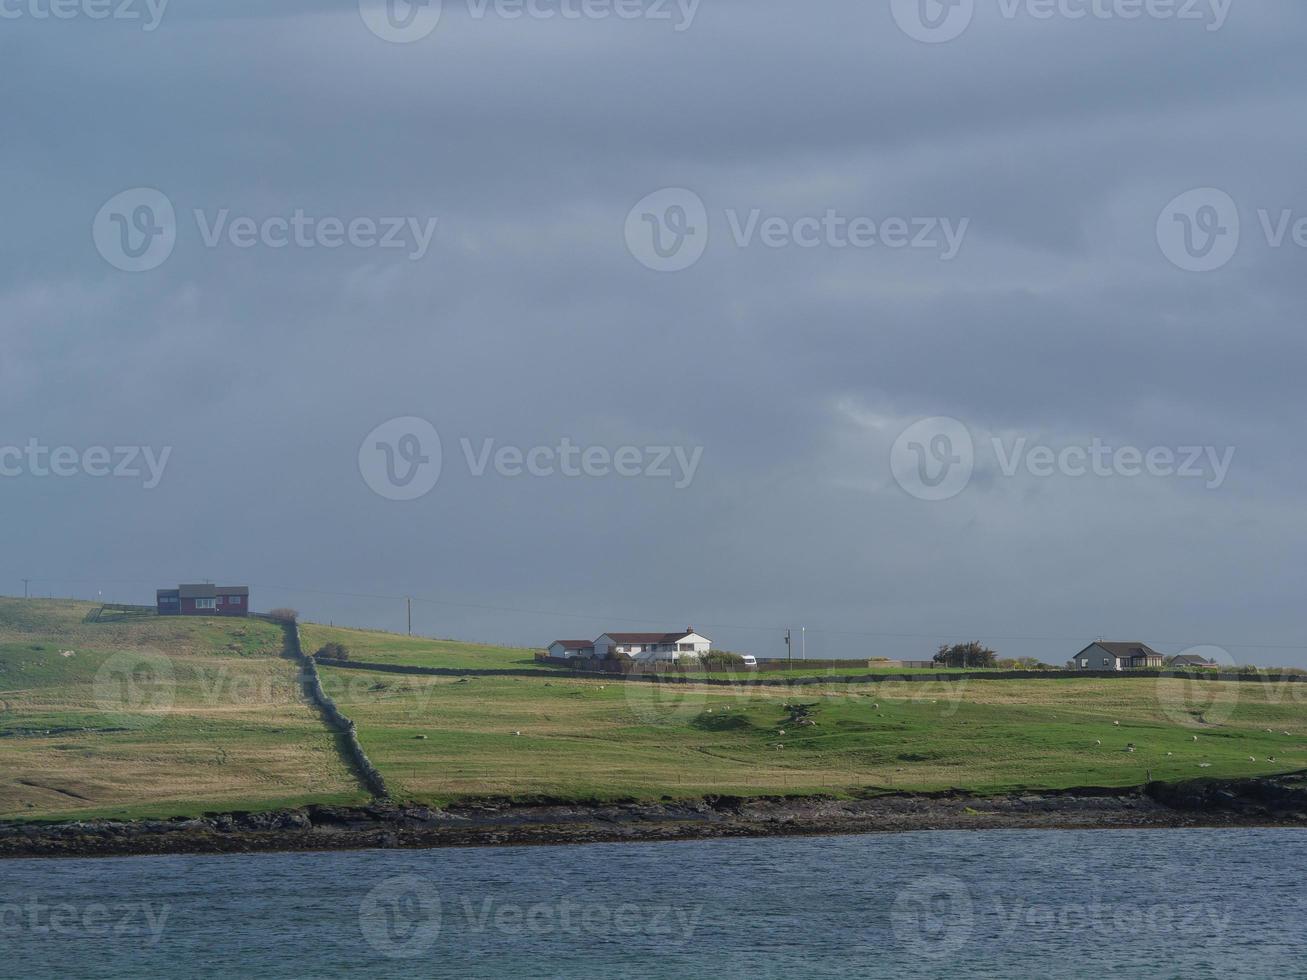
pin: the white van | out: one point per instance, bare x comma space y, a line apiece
750, 661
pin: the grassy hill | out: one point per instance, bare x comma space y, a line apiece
416, 651
148, 716
595, 739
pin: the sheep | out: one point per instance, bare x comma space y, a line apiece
1117, 724
517, 733
1252, 758
1099, 742
1195, 738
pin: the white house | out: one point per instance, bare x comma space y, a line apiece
1102, 655
567, 649
648, 647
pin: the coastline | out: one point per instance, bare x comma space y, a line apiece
1274, 802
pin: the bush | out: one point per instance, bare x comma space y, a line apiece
722, 658
283, 615
971, 654
333, 651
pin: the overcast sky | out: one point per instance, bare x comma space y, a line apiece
979, 216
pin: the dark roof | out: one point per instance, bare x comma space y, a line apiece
643, 638
233, 590
161, 593
198, 591
1125, 650
574, 644
1192, 660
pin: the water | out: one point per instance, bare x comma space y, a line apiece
1003, 904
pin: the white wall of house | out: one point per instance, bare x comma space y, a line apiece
558, 650
690, 647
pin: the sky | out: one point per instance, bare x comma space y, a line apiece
897, 321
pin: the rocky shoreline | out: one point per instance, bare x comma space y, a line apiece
1277, 802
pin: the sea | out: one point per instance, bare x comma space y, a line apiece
1004, 904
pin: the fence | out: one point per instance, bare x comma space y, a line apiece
369, 775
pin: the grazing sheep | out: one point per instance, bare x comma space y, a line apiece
1204, 765
1169, 753
1099, 742
1252, 758
1195, 738
781, 732
1117, 724
1130, 748
517, 733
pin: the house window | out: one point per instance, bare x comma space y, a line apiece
235, 600
205, 604
1084, 662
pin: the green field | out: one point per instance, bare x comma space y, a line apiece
416, 651
606, 740
145, 716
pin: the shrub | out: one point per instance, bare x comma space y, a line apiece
722, 658
284, 615
333, 651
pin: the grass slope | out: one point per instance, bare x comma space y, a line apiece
416, 651
145, 716
590, 739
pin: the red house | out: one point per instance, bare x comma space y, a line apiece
204, 600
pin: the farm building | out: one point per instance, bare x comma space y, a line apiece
566, 649
1102, 655
644, 647
204, 600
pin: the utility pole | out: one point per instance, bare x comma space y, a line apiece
409, 601
789, 651
803, 643
25, 581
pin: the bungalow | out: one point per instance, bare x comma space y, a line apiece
204, 600
1187, 660
1102, 655
648, 647
567, 649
